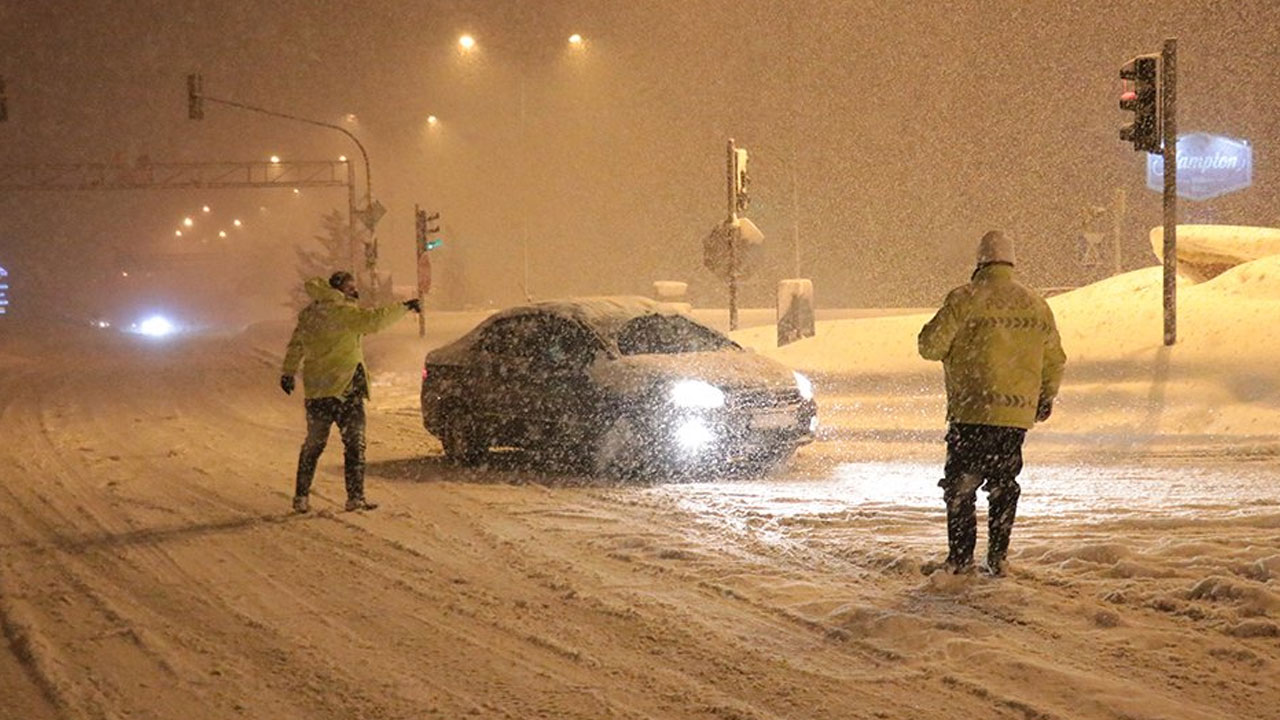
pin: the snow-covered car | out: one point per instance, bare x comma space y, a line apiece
624, 384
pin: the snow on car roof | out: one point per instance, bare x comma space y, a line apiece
604, 314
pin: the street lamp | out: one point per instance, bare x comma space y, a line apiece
467, 44
275, 159
432, 120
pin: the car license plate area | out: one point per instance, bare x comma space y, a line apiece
773, 420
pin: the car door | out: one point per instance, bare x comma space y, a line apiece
568, 404
503, 357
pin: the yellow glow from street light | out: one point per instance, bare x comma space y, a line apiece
350, 117
237, 223
575, 39
222, 233
275, 158
177, 233
296, 191
342, 158
204, 209
432, 119
188, 222
466, 42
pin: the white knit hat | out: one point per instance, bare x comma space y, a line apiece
995, 247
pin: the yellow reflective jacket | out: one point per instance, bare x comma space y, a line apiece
999, 348
326, 341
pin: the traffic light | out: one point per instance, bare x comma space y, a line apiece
740, 179
4, 102
195, 97
1141, 96
424, 227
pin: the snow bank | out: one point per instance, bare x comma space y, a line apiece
1220, 378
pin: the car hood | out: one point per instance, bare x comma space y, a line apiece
727, 369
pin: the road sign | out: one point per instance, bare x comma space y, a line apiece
1208, 166
738, 243
424, 273
372, 214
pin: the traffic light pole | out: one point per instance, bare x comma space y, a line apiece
1117, 219
731, 173
1168, 111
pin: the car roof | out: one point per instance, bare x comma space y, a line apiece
604, 314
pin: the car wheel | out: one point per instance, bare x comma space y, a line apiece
462, 440
769, 461
619, 452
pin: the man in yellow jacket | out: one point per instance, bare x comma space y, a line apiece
326, 345
1003, 362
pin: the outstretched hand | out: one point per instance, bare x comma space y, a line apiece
286, 384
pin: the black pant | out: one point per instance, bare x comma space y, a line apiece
348, 413
978, 454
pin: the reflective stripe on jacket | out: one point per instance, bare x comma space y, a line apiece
999, 348
326, 341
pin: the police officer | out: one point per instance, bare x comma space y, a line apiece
326, 345
1003, 362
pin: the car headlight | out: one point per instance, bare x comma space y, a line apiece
696, 394
804, 385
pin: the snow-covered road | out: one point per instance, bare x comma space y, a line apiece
149, 569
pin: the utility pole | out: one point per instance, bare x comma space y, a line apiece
1169, 118
1117, 218
731, 170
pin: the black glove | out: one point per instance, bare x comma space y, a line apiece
414, 305
286, 384
1044, 409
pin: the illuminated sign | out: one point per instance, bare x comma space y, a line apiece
1208, 166
4, 291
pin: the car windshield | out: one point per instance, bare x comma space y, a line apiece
668, 335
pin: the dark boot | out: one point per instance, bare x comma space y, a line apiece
1002, 509
962, 520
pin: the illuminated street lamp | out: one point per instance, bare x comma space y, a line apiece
575, 40
177, 233
275, 159
237, 223
466, 42
188, 222
222, 233
205, 208
342, 158
432, 120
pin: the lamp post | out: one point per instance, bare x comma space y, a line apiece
196, 90
467, 44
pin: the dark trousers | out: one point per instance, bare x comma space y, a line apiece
978, 454
348, 413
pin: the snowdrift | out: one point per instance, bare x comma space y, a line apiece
1206, 251
1220, 377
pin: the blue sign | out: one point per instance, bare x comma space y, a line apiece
4, 291
1208, 166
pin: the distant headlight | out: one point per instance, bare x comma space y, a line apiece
156, 326
696, 394
804, 385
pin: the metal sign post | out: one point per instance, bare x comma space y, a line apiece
1117, 217
1168, 112
731, 175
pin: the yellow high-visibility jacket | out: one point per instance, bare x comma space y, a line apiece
326, 341
999, 348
